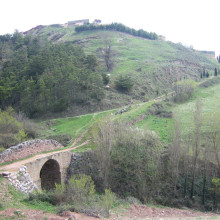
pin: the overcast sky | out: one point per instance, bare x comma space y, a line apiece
191, 22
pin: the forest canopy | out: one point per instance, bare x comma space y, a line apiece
37, 76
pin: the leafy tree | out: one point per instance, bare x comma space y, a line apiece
105, 78
117, 144
11, 130
91, 61
124, 83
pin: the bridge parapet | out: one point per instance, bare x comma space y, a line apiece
28, 148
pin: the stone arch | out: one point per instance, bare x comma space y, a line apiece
50, 174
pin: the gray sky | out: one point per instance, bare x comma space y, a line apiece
192, 22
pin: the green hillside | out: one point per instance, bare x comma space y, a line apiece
140, 116
152, 64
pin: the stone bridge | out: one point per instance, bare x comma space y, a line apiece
41, 171
47, 171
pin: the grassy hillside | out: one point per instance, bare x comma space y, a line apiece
138, 115
209, 98
153, 64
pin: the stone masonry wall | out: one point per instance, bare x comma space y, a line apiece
28, 148
85, 163
21, 180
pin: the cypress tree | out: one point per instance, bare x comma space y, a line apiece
216, 72
207, 74
204, 74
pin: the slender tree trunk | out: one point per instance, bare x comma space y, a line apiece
204, 189
185, 186
193, 183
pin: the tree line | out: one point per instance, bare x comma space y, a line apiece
37, 76
118, 27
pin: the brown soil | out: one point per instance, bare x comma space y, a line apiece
135, 212
12, 213
145, 212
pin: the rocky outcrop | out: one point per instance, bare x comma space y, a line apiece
28, 148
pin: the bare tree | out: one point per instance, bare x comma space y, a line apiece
213, 124
196, 144
175, 151
108, 55
103, 137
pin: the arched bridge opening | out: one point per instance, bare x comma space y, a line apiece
50, 175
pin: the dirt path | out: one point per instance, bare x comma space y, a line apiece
14, 166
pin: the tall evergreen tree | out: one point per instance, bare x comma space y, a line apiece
204, 74
216, 72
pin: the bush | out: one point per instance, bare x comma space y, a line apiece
30, 128
105, 78
11, 130
124, 83
64, 139
184, 90
108, 200
80, 188
160, 109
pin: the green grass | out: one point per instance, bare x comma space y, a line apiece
209, 98
76, 126
19, 200
162, 126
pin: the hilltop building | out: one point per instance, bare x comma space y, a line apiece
97, 21
77, 23
162, 38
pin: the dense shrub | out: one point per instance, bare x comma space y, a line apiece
80, 188
105, 78
160, 109
30, 128
77, 195
64, 139
183, 90
124, 83
11, 130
